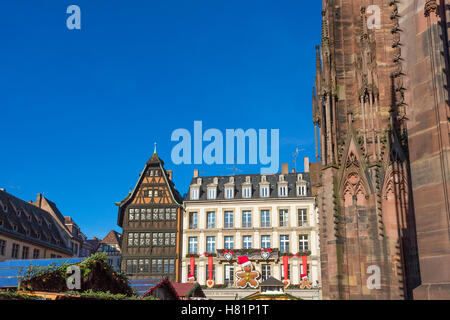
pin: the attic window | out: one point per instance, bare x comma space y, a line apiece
263, 178
15, 227
156, 173
40, 221
151, 173
231, 179
216, 180
281, 177
38, 235
3, 206
300, 176
1, 223
247, 179
199, 180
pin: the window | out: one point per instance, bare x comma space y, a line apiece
265, 271
131, 241
211, 219
173, 239
229, 243
307, 270
210, 244
229, 275
155, 214
160, 239
284, 216
228, 219
247, 242
149, 214
172, 266
150, 193
264, 192
289, 272
2, 247
302, 218
247, 192
166, 239
284, 243
146, 265
36, 254
154, 266
213, 273
167, 214
265, 242
195, 271
246, 219
303, 243
174, 214
142, 239
25, 251
193, 220
301, 191
194, 193
265, 218
161, 214
193, 245
154, 239
166, 266
160, 266
283, 191
155, 193
147, 240
212, 193
229, 193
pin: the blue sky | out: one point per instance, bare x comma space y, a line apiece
81, 109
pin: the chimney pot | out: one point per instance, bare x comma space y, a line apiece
306, 164
284, 168
195, 173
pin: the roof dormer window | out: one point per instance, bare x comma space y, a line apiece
301, 190
3, 206
263, 179
211, 193
247, 192
215, 180
229, 193
231, 179
282, 191
281, 177
199, 180
247, 179
194, 193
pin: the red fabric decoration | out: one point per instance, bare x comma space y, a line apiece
285, 266
210, 268
192, 261
305, 266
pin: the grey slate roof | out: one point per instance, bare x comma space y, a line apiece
255, 179
10, 217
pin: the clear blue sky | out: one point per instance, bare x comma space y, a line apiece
81, 109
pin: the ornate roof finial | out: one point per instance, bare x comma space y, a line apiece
155, 148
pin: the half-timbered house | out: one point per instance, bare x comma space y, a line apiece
151, 220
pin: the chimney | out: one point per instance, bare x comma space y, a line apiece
169, 173
284, 168
195, 173
306, 164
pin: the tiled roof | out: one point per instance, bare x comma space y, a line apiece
183, 288
113, 237
255, 179
29, 220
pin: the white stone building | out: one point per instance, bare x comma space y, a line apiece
251, 212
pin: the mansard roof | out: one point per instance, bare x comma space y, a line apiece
154, 161
31, 223
255, 180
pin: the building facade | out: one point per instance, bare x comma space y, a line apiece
28, 232
151, 220
246, 214
425, 62
381, 112
111, 246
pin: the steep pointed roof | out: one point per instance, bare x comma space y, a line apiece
154, 160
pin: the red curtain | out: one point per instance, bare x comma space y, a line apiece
192, 271
285, 266
305, 266
210, 268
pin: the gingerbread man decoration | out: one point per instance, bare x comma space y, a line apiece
247, 276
